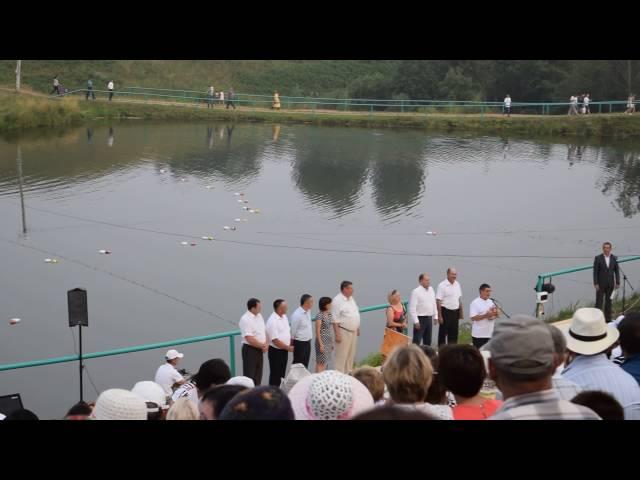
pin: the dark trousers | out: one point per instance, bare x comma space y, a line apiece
479, 342
424, 334
55, 90
230, 103
448, 331
604, 294
90, 92
302, 352
110, 94
277, 365
252, 360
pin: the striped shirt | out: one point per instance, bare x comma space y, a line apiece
595, 372
543, 405
566, 389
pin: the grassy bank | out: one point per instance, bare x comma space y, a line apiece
24, 111
631, 302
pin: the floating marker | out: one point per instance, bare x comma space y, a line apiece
47, 260
208, 187
238, 220
193, 244
240, 201
244, 220
245, 208
105, 252
251, 210
226, 227
184, 243
206, 238
14, 321
432, 233
162, 170
183, 179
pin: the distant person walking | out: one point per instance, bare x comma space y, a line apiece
56, 86
210, 97
90, 89
110, 88
276, 101
631, 104
573, 105
231, 96
221, 97
586, 101
507, 106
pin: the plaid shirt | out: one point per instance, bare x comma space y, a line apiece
543, 405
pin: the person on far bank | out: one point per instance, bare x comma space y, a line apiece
231, 96
210, 97
56, 85
482, 313
585, 101
254, 341
395, 312
573, 105
606, 278
276, 101
450, 312
507, 106
301, 331
110, 88
279, 334
423, 310
346, 317
324, 340
90, 90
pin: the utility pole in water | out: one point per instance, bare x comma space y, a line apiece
18, 75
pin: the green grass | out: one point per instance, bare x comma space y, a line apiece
632, 302
18, 112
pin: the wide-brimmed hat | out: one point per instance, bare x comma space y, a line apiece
296, 373
329, 395
118, 404
589, 333
151, 392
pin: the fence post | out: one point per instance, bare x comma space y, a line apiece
609, 108
232, 355
402, 105
600, 108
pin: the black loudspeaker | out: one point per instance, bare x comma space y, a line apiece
78, 313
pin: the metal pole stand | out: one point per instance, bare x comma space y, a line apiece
81, 366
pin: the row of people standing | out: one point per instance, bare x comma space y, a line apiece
277, 337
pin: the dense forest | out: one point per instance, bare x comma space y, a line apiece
489, 80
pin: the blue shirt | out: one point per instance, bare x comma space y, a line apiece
596, 372
631, 365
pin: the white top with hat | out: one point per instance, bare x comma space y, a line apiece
167, 376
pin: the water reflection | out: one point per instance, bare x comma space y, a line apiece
111, 137
621, 178
89, 136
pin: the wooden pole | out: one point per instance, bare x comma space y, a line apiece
18, 75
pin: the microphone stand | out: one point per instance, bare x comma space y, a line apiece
500, 307
625, 281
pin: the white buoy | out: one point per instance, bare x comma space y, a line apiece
104, 252
206, 238
245, 208
193, 244
432, 233
14, 321
238, 220
162, 170
47, 260
226, 227
208, 187
184, 243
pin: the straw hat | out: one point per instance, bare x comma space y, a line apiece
118, 404
589, 333
329, 395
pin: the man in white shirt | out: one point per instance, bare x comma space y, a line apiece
167, 375
507, 106
450, 310
423, 310
483, 313
279, 334
301, 331
110, 88
346, 318
254, 341
573, 105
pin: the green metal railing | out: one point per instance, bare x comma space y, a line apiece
292, 103
543, 276
153, 346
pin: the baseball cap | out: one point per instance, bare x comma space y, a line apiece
521, 345
151, 392
171, 354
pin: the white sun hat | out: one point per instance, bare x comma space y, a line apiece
589, 333
329, 395
119, 404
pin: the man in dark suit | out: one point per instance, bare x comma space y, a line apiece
606, 278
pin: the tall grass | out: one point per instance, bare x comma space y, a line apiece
19, 112
631, 303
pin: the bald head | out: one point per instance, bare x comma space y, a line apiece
452, 274
424, 280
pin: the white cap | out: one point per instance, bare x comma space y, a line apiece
2, 417
172, 354
242, 381
151, 392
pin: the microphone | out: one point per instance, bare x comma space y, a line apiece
499, 306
